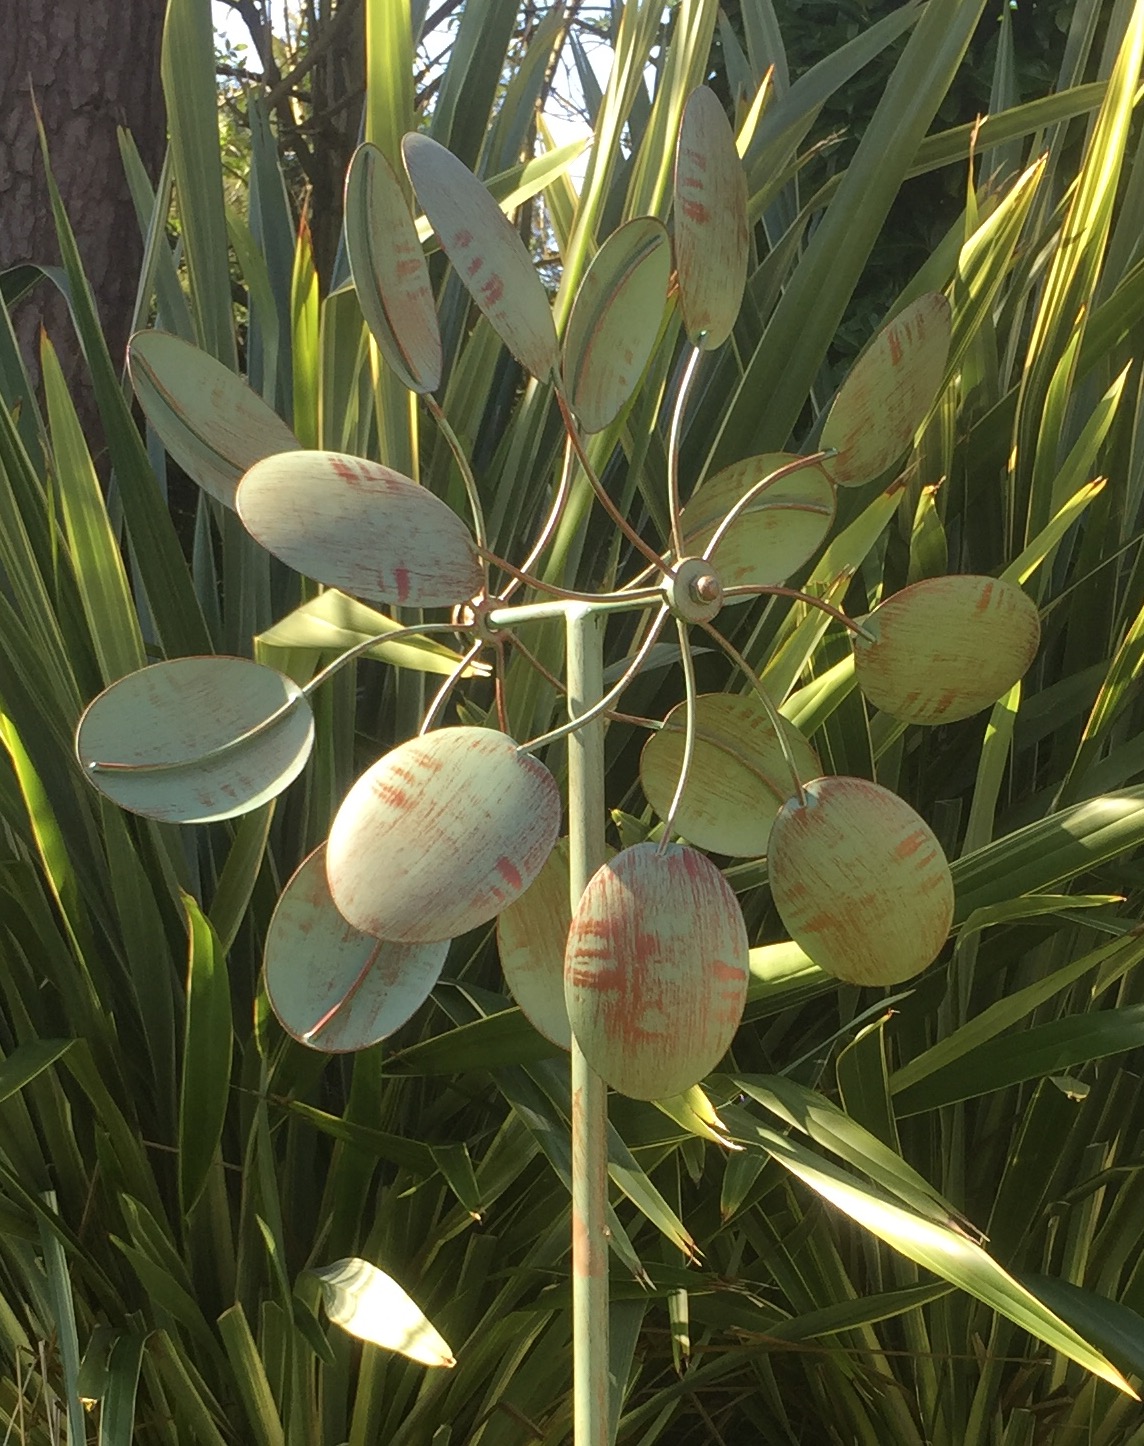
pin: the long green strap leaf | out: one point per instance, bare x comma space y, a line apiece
192, 114
965, 1043
155, 546
207, 1043
1046, 1049
804, 322
948, 1253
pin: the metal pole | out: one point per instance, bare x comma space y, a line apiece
586, 850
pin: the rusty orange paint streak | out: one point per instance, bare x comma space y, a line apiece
391, 795
509, 872
696, 211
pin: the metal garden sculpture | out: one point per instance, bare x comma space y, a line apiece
645, 981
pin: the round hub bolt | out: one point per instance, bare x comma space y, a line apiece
693, 592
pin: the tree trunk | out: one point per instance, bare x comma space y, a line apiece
92, 65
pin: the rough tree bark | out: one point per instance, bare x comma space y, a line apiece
92, 65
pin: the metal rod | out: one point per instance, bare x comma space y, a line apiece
618, 602
673, 446
688, 733
586, 852
601, 706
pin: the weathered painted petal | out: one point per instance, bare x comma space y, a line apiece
531, 935
361, 527
889, 391
441, 834
331, 986
195, 740
655, 973
710, 221
860, 881
372, 1306
615, 321
389, 271
211, 422
946, 647
779, 529
739, 777
488, 255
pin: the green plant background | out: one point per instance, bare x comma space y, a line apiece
170, 1163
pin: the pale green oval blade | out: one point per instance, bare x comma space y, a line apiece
211, 422
655, 972
781, 528
372, 1306
615, 321
946, 647
331, 986
531, 935
489, 256
195, 740
889, 392
441, 834
389, 271
361, 527
860, 881
710, 221
739, 776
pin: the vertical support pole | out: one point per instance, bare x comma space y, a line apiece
586, 850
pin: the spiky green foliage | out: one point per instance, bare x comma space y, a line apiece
171, 1164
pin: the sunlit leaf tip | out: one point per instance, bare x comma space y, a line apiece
369, 1304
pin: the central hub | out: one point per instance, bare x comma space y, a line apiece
693, 592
